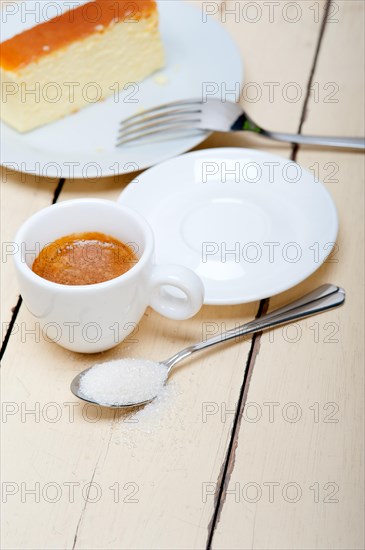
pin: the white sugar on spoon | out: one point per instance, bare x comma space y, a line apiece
123, 381
132, 382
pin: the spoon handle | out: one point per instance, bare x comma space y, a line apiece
322, 299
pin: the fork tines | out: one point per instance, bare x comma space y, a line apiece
169, 117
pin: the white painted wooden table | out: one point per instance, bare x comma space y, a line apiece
263, 444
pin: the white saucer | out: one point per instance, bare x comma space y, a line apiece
83, 144
249, 224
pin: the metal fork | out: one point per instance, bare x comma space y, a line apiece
212, 115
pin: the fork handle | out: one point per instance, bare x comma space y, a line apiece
347, 142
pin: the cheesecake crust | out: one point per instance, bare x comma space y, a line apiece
77, 24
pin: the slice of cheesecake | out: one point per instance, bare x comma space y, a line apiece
76, 59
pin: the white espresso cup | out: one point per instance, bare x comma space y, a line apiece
96, 317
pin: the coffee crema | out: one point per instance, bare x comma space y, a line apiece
84, 259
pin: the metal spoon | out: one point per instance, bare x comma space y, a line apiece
322, 299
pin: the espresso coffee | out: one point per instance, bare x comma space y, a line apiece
84, 259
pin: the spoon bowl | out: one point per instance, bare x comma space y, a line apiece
77, 391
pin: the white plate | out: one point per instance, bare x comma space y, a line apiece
83, 144
249, 224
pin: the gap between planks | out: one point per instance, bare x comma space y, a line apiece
228, 464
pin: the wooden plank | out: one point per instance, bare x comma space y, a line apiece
277, 44
318, 365
167, 466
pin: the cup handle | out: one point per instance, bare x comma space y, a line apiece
181, 278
